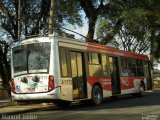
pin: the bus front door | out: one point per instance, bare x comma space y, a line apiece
78, 75
115, 77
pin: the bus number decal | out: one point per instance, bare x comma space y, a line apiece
66, 82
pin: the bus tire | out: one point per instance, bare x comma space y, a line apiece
141, 90
96, 95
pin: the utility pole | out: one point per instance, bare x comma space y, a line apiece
19, 19
51, 18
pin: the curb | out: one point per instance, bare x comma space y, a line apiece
5, 103
156, 90
27, 110
21, 111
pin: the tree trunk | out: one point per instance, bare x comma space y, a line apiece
51, 18
5, 68
19, 19
16, 23
2, 73
152, 47
91, 29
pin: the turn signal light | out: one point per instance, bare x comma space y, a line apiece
13, 88
51, 85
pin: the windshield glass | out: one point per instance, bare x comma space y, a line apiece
31, 58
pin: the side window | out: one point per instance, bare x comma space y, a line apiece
95, 67
63, 62
132, 66
124, 67
140, 72
105, 65
94, 58
146, 69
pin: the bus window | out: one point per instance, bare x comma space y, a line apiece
105, 65
38, 57
132, 66
124, 68
31, 58
147, 74
95, 68
140, 72
20, 59
94, 58
63, 62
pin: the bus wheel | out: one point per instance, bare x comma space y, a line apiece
141, 90
96, 95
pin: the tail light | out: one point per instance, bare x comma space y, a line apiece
51, 85
13, 88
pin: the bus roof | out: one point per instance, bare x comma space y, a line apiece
115, 51
89, 46
94, 47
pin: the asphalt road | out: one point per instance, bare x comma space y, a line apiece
124, 108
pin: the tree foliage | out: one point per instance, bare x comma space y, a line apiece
35, 15
93, 9
138, 27
34, 19
131, 35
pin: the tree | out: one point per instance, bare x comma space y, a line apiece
4, 64
51, 18
138, 20
34, 18
131, 35
93, 9
114, 18
35, 11
153, 8
67, 12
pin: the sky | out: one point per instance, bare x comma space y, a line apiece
81, 30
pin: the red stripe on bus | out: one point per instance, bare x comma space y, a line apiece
105, 82
92, 47
128, 82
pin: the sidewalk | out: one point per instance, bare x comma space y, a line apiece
17, 109
157, 90
5, 102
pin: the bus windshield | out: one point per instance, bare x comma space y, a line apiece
31, 58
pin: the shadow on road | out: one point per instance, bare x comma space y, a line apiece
126, 101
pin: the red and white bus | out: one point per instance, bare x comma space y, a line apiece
64, 70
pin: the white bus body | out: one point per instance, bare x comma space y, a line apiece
56, 68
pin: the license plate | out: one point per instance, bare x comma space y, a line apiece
30, 89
